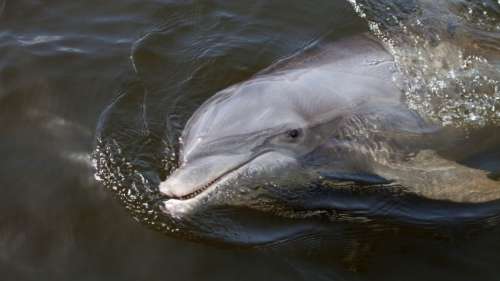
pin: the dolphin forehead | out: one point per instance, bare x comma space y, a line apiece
244, 112
251, 107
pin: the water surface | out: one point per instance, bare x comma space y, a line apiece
62, 63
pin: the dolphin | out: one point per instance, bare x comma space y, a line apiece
326, 129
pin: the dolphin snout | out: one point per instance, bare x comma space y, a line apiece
193, 177
168, 186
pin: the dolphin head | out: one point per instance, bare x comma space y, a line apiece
241, 130
259, 145
248, 136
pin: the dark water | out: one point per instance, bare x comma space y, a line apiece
63, 62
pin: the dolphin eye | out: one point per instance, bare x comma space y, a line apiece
294, 133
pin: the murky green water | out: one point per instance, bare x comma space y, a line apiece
63, 62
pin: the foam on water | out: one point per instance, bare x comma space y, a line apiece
447, 54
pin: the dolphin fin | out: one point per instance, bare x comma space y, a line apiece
433, 177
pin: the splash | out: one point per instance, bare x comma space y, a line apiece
129, 157
130, 184
448, 54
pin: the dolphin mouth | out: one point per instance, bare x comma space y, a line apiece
202, 189
211, 183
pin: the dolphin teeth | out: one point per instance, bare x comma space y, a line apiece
210, 183
198, 191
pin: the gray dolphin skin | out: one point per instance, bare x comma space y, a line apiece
299, 134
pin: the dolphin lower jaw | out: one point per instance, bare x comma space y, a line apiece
206, 186
199, 176
176, 188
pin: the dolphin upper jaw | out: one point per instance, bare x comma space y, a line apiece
176, 188
194, 177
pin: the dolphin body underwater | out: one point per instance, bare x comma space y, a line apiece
323, 132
